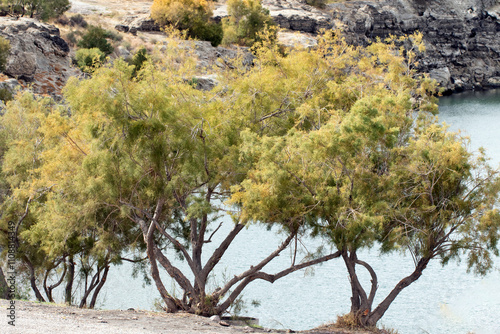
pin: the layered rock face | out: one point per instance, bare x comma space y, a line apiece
38, 57
461, 36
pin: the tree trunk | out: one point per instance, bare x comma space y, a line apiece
148, 234
71, 278
4, 287
93, 283
359, 300
38, 295
379, 312
48, 289
99, 287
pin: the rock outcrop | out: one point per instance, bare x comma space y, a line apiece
461, 36
38, 57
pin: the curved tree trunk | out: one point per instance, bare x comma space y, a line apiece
380, 310
99, 287
48, 289
38, 295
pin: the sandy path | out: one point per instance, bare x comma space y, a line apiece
36, 318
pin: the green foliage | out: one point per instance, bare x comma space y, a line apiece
206, 31
338, 142
5, 95
247, 18
78, 20
138, 59
96, 37
89, 59
321, 4
4, 52
43, 9
190, 15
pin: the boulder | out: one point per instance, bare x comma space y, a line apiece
139, 22
38, 55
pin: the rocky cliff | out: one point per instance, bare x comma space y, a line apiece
461, 36
39, 57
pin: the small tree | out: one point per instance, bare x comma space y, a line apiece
246, 20
363, 171
89, 59
96, 37
56, 230
194, 16
44, 9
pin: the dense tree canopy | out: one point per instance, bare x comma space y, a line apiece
376, 169
337, 141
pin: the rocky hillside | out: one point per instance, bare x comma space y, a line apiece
461, 36
463, 48
38, 57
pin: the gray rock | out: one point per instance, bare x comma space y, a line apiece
38, 55
441, 75
122, 51
494, 82
215, 318
11, 85
461, 36
135, 23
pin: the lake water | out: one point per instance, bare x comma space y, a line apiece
444, 300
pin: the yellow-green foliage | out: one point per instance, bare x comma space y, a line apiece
4, 52
337, 140
89, 59
247, 18
180, 12
190, 15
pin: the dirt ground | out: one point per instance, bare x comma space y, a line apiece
44, 318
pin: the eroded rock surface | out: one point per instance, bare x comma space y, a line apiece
38, 56
461, 36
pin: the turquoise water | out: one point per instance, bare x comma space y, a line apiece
443, 300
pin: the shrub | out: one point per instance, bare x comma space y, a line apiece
96, 37
190, 15
78, 20
44, 9
321, 4
246, 19
138, 59
4, 52
5, 94
71, 37
180, 13
89, 59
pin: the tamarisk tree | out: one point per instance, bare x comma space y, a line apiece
369, 166
165, 155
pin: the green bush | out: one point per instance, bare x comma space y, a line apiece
96, 37
246, 19
193, 16
138, 59
207, 31
5, 95
321, 4
4, 52
78, 20
43, 9
89, 59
